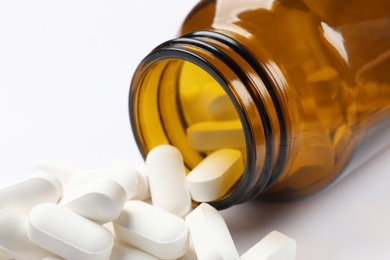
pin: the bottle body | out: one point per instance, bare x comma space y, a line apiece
307, 82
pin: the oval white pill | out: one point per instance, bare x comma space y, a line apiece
100, 200
275, 246
153, 230
190, 254
210, 235
215, 175
14, 243
142, 191
68, 235
62, 169
126, 163
134, 183
214, 135
167, 180
128, 252
24, 195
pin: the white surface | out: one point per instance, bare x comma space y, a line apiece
65, 69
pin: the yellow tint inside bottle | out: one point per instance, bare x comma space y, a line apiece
181, 104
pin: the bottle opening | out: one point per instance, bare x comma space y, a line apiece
205, 83
181, 104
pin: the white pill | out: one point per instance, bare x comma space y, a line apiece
128, 252
142, 191
190, 254
210, 235
100, 200
167, 180
68, 235
110, 227
62, 169
134, 183
125, 163
214, 135
153, 230
14, 243
275, 246
52, 258
24, 195
215, 175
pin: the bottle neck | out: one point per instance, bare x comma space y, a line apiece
246, 82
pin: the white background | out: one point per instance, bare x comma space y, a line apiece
65, 69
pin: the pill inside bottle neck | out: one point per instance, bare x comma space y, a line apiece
199, 110
183, 105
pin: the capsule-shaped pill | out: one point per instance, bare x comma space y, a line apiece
152, 230
190, 254
141, 192
167, 180
210, 235
68, 235
110, 227
214, 135
275, 246
23, 196
134, 183
60, 168
14, 243
100, 200
127, 252
215, 175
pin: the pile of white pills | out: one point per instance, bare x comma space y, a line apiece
66, 211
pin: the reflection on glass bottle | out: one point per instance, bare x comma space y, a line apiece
308, 79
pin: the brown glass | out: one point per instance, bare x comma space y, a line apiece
309, 80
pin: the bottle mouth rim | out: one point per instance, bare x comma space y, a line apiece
175, 49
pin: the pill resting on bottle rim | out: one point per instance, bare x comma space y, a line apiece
167, 180
215, 175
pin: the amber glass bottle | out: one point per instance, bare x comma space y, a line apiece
308, 80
